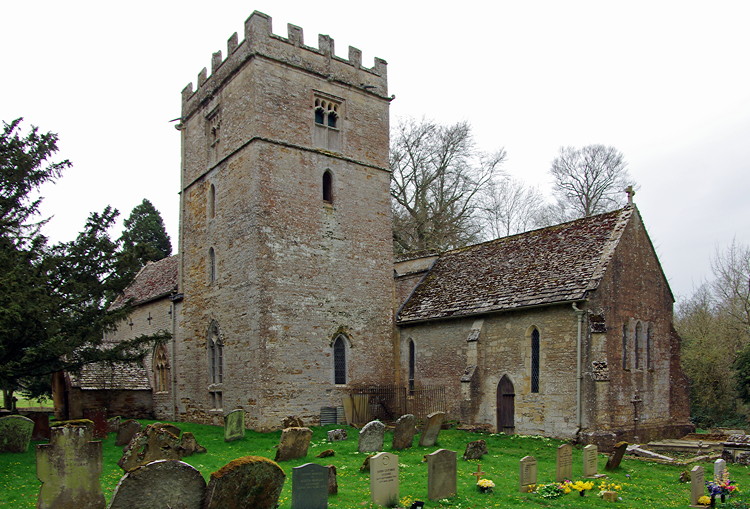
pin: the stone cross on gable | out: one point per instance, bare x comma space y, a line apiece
630, 192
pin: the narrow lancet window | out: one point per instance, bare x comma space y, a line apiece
339, 360
535, 360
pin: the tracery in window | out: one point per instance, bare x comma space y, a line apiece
327, 113
215, 354
161, 369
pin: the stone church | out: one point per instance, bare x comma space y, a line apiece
285, 294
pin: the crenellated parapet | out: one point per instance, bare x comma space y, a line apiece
261, 42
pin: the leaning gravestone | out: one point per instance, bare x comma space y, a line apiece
99, 417
250, 481
234, 425
431, 429
41, 425
69, 468
153, 443
590, 460
475, 450
337, 435
310, 487
161, 484
384, 479
441, 474
189, 445
615, 457
697, 486
15, 433
126, 431
293, 444
527, 476
371, 437
564, 469
403, 434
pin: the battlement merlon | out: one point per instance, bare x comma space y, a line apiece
260, 40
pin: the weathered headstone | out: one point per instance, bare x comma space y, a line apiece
564, 468
720, 467
310, 487
292, 422
403, 433
527, 475
590, 460
697, 486
293, 444
127, 430
337, 435
41, 429
250, 481
69, 468
615, 457
333, 484
475, 450
234, 425
113, 424
371, 437
431, 429
384, 479
168, 427
15, 433
99, 417
150, 444
189, 445
441, 474
160, 485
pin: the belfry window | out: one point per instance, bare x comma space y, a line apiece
327, 186
535, 360
327, 116
326, 112
339, 360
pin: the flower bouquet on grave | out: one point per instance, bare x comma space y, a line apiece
721, 486
553, 489
582, 486
485, 485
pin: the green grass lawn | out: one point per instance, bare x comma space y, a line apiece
645, 485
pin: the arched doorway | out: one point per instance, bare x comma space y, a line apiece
505, 406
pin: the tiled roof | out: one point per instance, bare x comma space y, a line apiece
121, 376
156, 279
555, 264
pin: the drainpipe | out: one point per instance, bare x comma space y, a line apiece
579, 368
173, 366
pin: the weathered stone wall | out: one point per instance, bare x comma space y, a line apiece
443, 355
292, 270
635, 290
130, 404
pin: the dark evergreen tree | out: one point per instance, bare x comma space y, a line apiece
144, 239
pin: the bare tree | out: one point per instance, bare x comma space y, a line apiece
510, 207
589, 180
731, 285
437, 180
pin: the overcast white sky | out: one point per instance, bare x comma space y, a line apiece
666, 82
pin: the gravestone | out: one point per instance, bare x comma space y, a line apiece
337, 435
168, 427
69, 468
152, 443
371, 437
615, 457
326, 454
113, 424
292, 422
333, 484
293, 444
160, 485
527, 476
564, 468
441, 474
403, 434
590, 460
384, 479
15, 433
310, 487
189, 445
41, 429
234, 425
475, 450
99, 417
697, 486
250, 481
127, 430
431, 429
720, 467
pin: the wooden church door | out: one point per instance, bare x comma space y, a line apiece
505, 406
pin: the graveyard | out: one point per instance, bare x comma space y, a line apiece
525, 470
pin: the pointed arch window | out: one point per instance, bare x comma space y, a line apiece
161, 369
339, 360
412, 364
535, 360
215, 355
328, 186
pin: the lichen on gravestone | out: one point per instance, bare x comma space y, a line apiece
250, 481
160, 484
15, 433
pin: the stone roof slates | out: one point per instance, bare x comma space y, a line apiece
121, 376
555, 264
156, 279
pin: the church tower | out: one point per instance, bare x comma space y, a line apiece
285, 230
